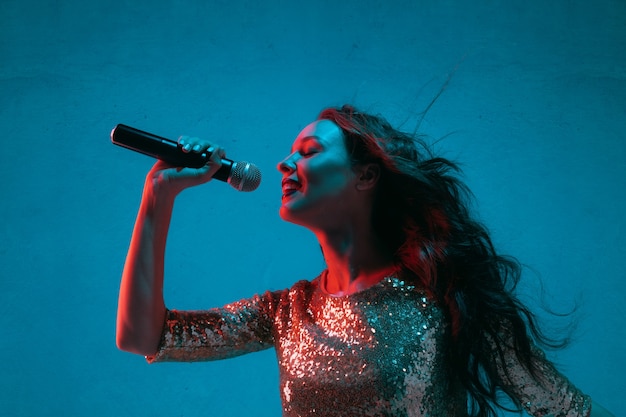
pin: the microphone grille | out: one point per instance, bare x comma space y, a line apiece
244, 176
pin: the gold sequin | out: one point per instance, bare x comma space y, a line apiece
379, 352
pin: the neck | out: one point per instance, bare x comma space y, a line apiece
356, 260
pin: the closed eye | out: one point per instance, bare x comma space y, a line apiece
307, 147
306, 152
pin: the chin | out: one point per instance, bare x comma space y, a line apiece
290, 215
286, 214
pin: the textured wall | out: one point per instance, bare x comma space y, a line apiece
536, 107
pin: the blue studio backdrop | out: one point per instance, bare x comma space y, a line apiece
534, 110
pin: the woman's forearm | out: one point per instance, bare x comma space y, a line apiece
141, 309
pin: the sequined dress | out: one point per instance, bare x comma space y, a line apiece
378, 352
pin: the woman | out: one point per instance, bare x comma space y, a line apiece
414, 313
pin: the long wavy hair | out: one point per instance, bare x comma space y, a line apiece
422, 213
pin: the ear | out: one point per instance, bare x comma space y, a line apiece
368, 175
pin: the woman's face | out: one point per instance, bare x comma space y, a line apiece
318, 180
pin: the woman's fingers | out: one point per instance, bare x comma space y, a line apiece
178, 178
197, 145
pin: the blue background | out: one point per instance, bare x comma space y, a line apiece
536, 108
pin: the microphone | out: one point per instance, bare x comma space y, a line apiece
242, 176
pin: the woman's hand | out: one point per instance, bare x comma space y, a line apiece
171, 180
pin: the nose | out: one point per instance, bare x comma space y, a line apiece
287, 165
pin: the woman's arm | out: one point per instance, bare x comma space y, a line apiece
141, 309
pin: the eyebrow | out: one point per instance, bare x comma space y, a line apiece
307, 139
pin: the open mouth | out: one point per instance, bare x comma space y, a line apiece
290, 186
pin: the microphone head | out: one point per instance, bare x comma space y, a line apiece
244, 176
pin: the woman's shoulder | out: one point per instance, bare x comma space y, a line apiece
304, 288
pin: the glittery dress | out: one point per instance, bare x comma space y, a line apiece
378, 352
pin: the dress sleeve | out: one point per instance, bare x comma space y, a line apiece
552, 395
235, 329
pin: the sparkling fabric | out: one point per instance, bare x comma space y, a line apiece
379, 352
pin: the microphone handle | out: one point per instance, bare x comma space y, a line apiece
165, 149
